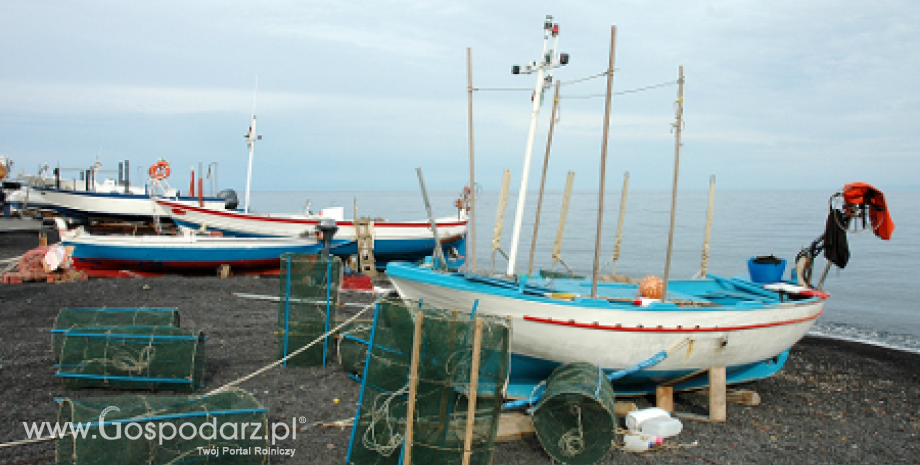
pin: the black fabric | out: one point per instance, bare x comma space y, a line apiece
836, 249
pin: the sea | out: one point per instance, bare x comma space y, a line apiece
874, 299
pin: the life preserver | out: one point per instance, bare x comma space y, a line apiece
159, 170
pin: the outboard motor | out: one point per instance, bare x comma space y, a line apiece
327, 229
231, 201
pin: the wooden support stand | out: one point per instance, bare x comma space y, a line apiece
664, 395
224, 271
365, 239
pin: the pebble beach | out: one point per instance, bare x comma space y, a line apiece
835, 401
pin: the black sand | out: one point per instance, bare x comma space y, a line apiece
835, 402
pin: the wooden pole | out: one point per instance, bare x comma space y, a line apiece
704, 265
557, 246
438, 252
679, 112
603, 170
622, 216
413, 387
500, 214
549, 144
471, 226
474, 386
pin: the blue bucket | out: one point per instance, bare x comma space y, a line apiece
766, 269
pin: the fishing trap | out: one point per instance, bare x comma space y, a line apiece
108, 317
132, 357
310, 285
575, 420
183, 427
432, 386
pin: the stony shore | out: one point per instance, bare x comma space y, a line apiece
835, 402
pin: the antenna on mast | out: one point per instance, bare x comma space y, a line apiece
251, 139
550, 60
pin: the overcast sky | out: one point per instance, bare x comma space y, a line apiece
357, 94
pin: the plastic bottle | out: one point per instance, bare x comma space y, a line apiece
640, 442
635, 418
661, 427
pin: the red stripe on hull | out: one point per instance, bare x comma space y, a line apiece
660, 329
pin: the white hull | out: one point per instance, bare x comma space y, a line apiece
618, 338
280, 225
82, 204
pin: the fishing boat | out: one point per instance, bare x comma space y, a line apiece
643, 335
393, 240
187, 252
117, 200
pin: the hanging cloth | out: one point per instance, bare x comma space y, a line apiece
836, 248
862, 193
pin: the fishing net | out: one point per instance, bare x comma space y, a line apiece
165, 430
107, 317
132, 357
576, 418
440, 423
309, 284
352, 347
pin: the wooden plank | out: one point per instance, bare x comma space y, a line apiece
514, 426
738, 396
622, 408
717, 410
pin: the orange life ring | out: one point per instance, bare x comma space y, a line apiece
159, 170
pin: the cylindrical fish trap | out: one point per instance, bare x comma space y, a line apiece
310, 293
107, 317
133, 357
575, 420
219, 428
354, 341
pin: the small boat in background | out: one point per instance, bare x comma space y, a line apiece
393, 240
186, 253
118, 200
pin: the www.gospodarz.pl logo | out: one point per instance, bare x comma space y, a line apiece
165, 431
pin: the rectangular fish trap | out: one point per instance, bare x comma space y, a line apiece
107, 317
133, 357
181, 425
310, 294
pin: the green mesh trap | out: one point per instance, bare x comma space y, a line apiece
576, 419
352, 347
309, 286
139, 428
440, 422
132, 357
107, 317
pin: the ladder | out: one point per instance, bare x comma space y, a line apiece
364, 236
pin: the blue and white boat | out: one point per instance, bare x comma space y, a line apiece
714, 321
393, 240
185, 253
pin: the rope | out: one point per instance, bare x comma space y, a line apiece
123, 361
623, 92
383, 413
292, 354
572, 443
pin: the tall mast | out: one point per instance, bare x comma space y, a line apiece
603, 173
678, 125
548, 60
251, 139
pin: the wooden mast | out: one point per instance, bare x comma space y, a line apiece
678, 124
471, 225
549, 144
603, 170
